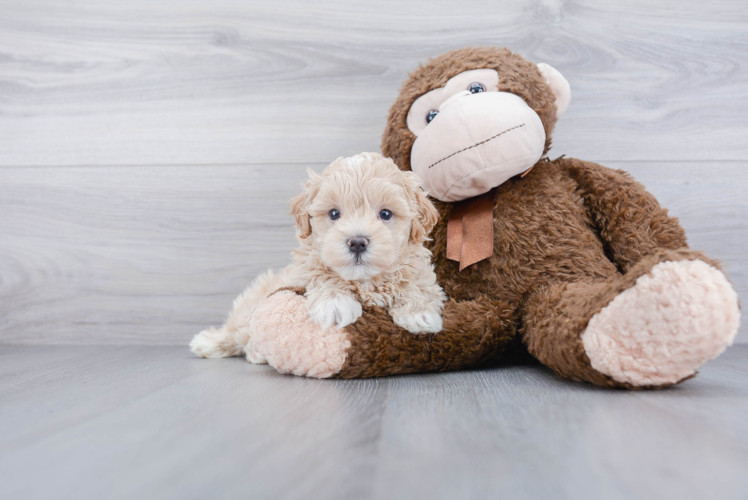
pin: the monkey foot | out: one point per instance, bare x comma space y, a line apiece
667, 325
284, 334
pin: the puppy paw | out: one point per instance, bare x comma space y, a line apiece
419, 322
339, 311
253, 356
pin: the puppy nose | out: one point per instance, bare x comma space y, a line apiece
358, 244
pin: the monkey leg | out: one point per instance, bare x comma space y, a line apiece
475, 332
652, 327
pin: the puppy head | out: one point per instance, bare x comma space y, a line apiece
362, 214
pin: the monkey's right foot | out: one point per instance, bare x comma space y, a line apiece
660, 331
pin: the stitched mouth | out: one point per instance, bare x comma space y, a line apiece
477, 144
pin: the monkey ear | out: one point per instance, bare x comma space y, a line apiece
560, 87
300, 204
426, 213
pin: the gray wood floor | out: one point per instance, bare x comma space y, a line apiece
149, 148
146, 422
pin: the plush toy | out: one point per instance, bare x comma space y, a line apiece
564, 261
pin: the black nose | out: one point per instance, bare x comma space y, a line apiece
358, 244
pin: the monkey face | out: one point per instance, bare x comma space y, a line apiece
472, 140
473, 118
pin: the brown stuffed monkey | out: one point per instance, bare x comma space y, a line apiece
565, 260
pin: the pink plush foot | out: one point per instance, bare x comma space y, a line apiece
661, 330
284, 334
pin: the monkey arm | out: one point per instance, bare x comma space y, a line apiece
630, 221
475, 332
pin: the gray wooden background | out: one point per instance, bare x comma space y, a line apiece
148, 148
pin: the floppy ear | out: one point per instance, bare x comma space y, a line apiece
560, 87
426, 214
299, 204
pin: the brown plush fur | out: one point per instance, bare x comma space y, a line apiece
568, 238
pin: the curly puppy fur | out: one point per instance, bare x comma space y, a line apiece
365, 203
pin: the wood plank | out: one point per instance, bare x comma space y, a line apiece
175, 83
140, 255
155, 422
153, 253
104, 392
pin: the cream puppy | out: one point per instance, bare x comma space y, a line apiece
361, 226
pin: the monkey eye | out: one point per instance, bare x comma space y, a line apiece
431, 115
334, 214
385, 214
476, 88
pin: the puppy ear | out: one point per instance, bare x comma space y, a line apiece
299, 204
426, 214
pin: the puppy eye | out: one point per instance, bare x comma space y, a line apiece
334, 214
431, 115
476, 88
385, 214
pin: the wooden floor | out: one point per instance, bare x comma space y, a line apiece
154, 422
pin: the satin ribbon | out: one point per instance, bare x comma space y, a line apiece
470, 230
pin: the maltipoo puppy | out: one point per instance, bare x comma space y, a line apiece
361, 226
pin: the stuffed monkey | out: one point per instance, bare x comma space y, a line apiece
564, 261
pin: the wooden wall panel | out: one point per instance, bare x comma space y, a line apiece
234, 82
129, 255
152, 255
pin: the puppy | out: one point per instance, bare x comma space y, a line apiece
361, 226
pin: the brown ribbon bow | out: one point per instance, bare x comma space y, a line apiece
470, 230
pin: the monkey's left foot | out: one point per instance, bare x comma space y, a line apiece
666, 326
285, 336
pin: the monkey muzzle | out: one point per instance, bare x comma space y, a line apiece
475, 143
